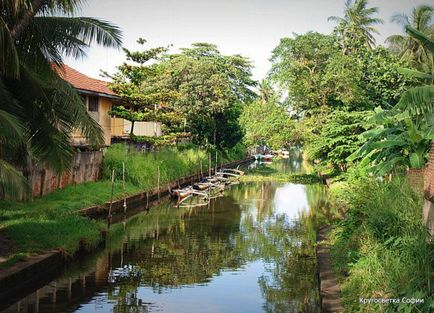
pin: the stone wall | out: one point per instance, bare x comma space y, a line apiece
428, 208
86, 167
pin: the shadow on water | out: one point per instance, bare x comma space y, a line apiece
248, 251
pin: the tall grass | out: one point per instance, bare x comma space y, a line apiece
51, 222
382, 249
141, 168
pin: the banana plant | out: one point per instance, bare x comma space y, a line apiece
399, 140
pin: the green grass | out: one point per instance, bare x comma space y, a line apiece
51, 222
175, 162
305, 179
382, 249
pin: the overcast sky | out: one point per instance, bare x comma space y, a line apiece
248, 27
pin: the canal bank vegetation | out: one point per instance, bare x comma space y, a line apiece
171, 163
382, 249
363, 114
52, 221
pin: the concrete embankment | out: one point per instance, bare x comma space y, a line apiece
329, 286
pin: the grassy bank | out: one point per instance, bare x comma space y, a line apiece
51, 222
172, 162
381, 249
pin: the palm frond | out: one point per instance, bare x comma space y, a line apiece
9, 61
423, 38
411, 73
417, 100
13, 185
85, 30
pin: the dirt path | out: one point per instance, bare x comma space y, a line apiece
329, 285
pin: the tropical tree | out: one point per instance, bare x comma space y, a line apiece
357, 25
43, 109
409, 47
210, 89
317, 77
338, 138
298, 67
266, 124
135, 83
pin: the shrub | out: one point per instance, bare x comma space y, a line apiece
382, 248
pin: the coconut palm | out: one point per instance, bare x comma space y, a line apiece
409, 47
357, 25
42, 109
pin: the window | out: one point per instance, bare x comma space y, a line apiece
93, 104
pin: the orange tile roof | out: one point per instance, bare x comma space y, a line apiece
80, 81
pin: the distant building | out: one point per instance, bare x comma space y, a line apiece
99, 100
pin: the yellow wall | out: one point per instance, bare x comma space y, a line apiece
105, 105
118, 127
104, 121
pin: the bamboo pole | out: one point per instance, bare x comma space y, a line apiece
209, 164
158, 181
109, 217
216, 161
123, 186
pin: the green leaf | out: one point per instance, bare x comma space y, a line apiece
417, 100
416, 160
412, 73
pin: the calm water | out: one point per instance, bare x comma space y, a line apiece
248, 251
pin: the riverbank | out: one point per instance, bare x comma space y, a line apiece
57, 221
381, 249
250, 243
25, 269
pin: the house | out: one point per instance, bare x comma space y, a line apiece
99, 100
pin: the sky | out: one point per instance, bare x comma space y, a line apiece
248, 27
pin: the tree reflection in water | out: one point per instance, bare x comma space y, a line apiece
169, 250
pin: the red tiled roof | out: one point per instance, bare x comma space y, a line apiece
80, 81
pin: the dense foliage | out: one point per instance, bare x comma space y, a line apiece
212, 88
266, 124
38, 109
382, 248
198, 90
338, 138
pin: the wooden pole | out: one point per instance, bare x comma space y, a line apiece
209, 164
109, 217
123, 186
158, 181
216, 161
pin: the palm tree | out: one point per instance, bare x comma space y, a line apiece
357, 25
408, 46
266, 92
41, 108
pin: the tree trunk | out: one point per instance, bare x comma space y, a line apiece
25, 20
214, 135
132, 129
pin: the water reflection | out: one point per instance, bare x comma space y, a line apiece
249, 251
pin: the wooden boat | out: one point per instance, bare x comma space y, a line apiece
233, 171
267, 157
181, 193
263, 157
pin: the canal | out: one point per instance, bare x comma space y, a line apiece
250, 250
